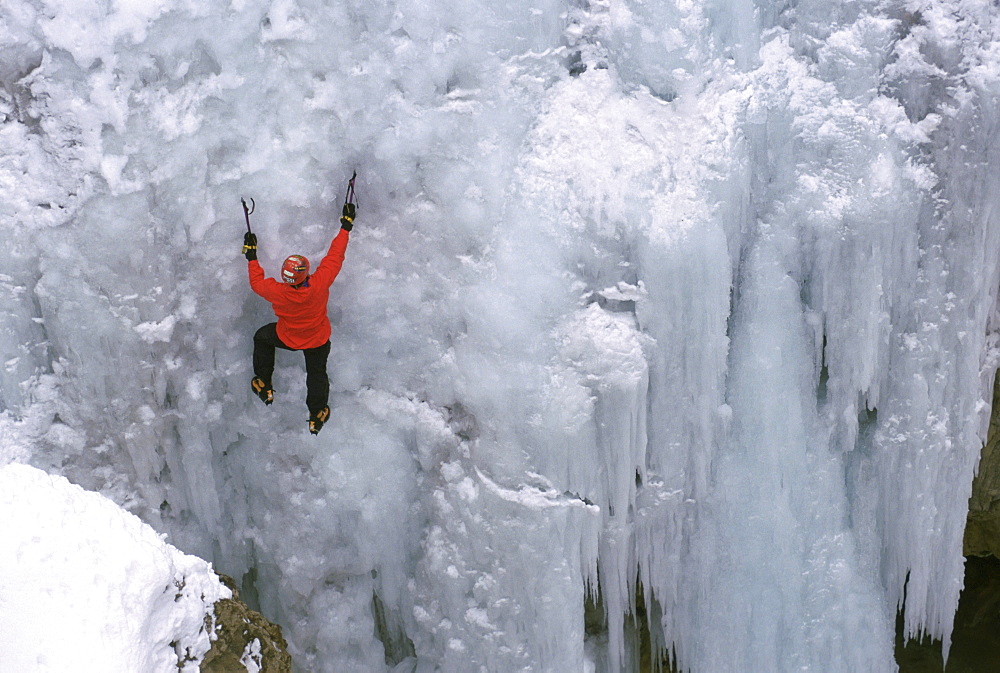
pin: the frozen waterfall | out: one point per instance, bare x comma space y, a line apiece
693, 296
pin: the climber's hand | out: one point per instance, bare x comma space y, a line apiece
250, 246
347, 219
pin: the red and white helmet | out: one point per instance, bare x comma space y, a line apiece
295, 270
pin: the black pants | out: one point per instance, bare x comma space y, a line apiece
317, 381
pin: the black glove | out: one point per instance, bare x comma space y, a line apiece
347, 219
250, 246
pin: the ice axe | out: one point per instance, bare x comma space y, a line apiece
249, 239
247, 211
350, 198
347, 219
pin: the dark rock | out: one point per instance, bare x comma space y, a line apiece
975, 644
982, 531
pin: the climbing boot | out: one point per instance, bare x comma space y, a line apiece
263, 390
317, 420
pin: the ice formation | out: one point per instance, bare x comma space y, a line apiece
86, 586
695, 294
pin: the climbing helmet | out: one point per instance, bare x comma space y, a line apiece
295, 269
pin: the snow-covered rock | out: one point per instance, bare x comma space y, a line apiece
86, 586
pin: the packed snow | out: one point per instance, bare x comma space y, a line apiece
695, 294
86, 586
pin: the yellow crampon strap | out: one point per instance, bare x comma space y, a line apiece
316, 422
262, 390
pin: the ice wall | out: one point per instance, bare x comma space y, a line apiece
696, 293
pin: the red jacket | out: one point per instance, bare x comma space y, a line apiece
301, 311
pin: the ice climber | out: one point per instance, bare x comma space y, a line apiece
299, 302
